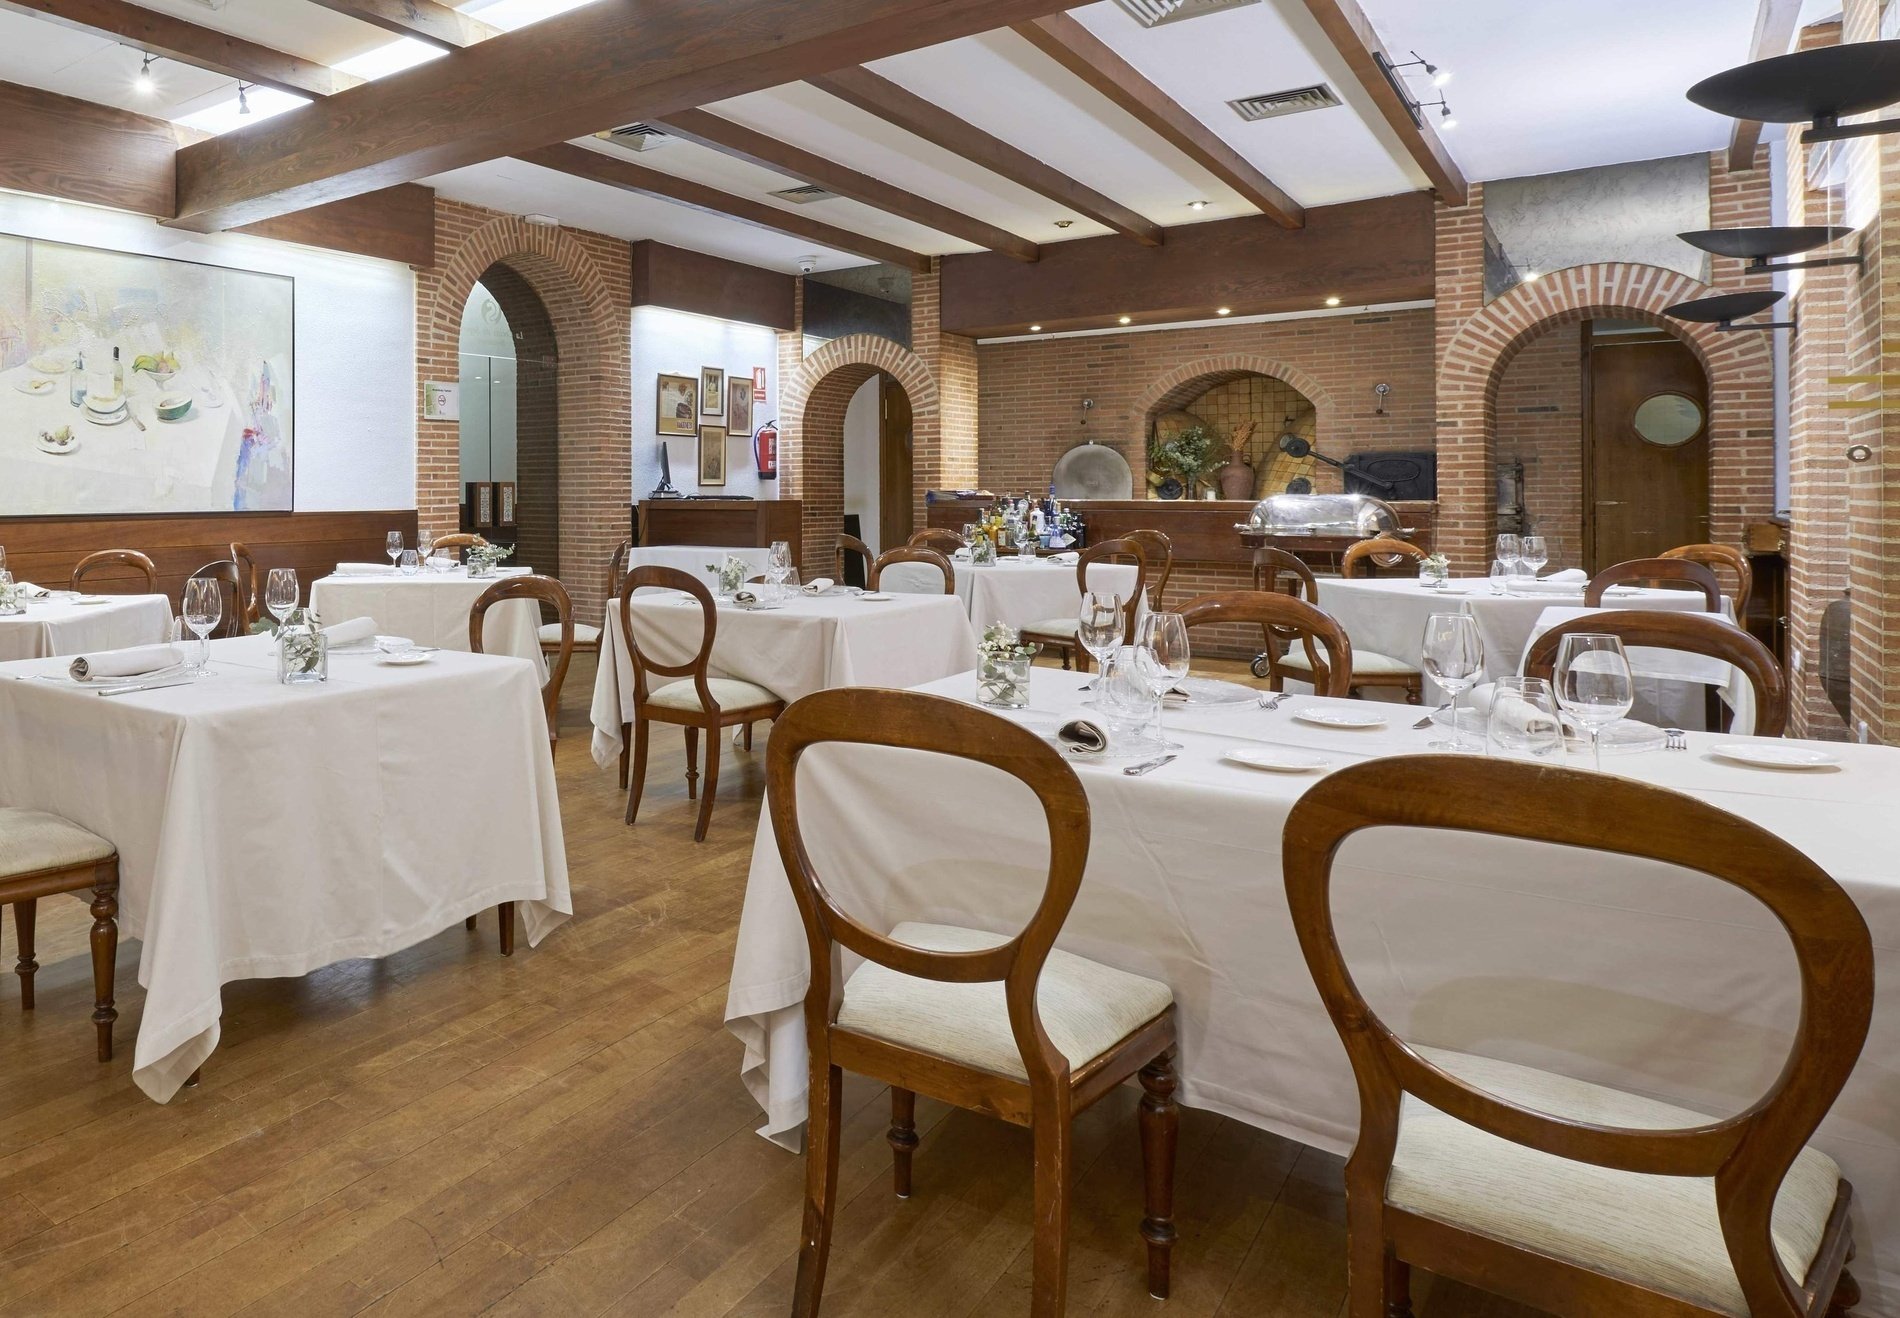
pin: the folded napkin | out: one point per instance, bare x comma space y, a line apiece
349, 633
1572, 574
1517, 712
745, 599
135, 662
1083, 736
31, 591
1548, 586
1067, 560
820, 586
364, 570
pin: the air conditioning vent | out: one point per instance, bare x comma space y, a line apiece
805, 195
1274, 104
1153, 13
635, 137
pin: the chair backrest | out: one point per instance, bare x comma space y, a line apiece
909, 554
870, 716
543, 590
617, 567
1654, 571
1283, 615
106, 559
1748, 1153
1158, 552
937, 538
1696, 633
1368, 557
225, 572
1728, 556
1115, 551
247, 585
456, 542
850, 544
1285, 574
668, 578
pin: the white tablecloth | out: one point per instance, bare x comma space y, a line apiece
808, 644
431, 608
1015, 591
696, 559
60, 626
266, 830
1669, 683
1621, 973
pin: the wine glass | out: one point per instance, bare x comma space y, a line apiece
1161, 645
407, 563
1098, 625
1500, 577
280, 593
1453, 655
392, 545
1510, 547
1593, 684
204, 607
1533, 553
1523, 719
425, 542
778, 562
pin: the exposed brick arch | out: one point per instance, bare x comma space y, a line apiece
1473, 358
1188, 381
812, 404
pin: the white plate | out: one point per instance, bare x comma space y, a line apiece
407, 659
57, 450
117, 418
49, 365
1332, 716
1760, 756
1276, 761
39, 388
1204, 691
875, 595
91, 599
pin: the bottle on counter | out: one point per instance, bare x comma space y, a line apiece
76, 382
118, 374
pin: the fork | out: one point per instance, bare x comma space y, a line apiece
1273, 699
1675, 739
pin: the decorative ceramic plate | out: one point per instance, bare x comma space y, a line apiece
1276, 761
48, 446
1092, 471
1758, 755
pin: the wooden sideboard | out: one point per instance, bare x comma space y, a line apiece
739, 522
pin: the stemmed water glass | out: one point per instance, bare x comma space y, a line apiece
425, 542
407, 563
1161, 647
1453, 654
392, 545
1098, 625
204, 607
1510, 549
1593, 684
778, 565
280, 594
1533, 553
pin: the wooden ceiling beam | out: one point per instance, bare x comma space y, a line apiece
425, 20
1774, 32
905, 109
1089, 58
610, 62
1346, 26
629, 176
721, 134
187, 43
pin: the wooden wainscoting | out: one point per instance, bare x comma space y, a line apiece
44, 549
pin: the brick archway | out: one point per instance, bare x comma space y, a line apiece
1471, 365
1188, 381
594, 389
811, 436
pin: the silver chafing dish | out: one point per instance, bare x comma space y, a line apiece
1351, 517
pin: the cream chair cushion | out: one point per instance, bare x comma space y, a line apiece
1086, 1007
583, 634
727, 693
32, 840
1656, 1231
1365, 663
1065, 627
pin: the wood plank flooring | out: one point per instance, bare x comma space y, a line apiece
564, 1132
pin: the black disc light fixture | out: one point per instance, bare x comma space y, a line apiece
1817, 87
1724, 309
1758, 246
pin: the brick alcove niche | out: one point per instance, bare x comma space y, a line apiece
1224, 390
537, 530
811, 437
1471, 367
583, 466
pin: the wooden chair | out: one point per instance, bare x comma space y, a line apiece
1283, 615
1654, 571
1277, 570
694, 702
1158, 550
247, 584
944, 542
586, 636
848, 545
1370, 558
1728, 556
456, 542
1696, 633
231, 620
1469, 1167
911, 554
110, 558
1058, 634
1001, 1025
42, 855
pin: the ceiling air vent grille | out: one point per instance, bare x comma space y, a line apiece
810, 192
635, 137
1274, 104
1153, 13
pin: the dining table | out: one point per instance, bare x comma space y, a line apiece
702, 561
431, 607
267, 830
1015, 590
1612, 970
796, 645
68, 622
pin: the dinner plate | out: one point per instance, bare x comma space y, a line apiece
1331, 716
1213, 691
875, 595
406, 659
38, 387
49, 365
117, 418
48, 446
1760, 756
1276, 761
91, 599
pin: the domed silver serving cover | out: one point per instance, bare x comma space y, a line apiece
1323, 514
1092, 471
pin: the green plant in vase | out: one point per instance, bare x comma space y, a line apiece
1002, 674
486, 556
1187, 456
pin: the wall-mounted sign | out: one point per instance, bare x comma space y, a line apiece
441, 400
758, 384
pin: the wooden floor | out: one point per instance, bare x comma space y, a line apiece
448, 1132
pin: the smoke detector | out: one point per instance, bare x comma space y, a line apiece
1153, 13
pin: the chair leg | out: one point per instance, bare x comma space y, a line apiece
626, 747
506, 910
821, 1189
105, 951
1160, 1122
638, 783
692, 762
1414, 692
748, 736
1398, 1287
1054, 1134
24, 916
902, 1137
711, 788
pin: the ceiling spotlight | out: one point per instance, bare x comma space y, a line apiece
1063, 224
244, 103
1446, 121
1532, 275
143, 83
1333, 301
1442, 77
1126, 319
1035, 329
1197, 205
1223, 311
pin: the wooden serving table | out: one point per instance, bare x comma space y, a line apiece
742, 522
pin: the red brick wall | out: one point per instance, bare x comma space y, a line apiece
1540, 423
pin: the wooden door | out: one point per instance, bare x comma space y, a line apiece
1646, 448
894, 464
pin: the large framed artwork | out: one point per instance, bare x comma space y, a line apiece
142, 384
712, 455
678, 412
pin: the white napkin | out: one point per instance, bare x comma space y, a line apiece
819, 586
31, 591
1083, 736
1520, 715
745, 599
1067, 560
364, 570
1548, 586
348, 633
1573, 574
135, 662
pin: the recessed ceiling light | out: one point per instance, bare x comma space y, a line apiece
1332, 301
1197, 205
1035, 329
1223, 311
1125, 319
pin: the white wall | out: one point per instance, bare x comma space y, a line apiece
355, 370
667, 342
862, 455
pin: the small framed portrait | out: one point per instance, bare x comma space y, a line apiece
712, 391
739, 409
712, 455
678, 406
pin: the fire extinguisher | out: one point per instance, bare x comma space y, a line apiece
765, 450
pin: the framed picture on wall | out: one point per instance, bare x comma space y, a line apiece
504, 503
678, 406
739, 409
712, 391
712, 455
481, 504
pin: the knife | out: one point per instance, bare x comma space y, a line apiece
1136, 770
146, 686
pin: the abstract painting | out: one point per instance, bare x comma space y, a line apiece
141, 384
